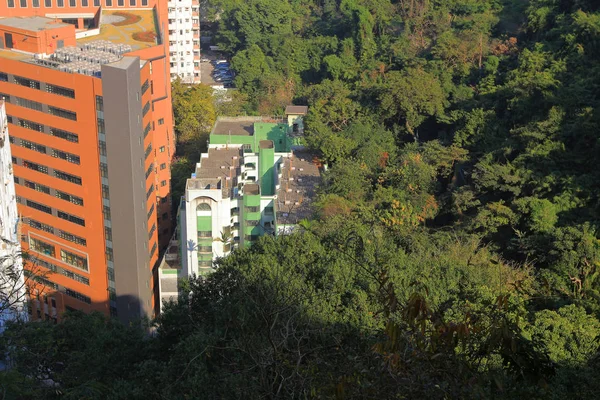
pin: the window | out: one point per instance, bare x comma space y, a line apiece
252, 222
102, 147
106, 213
59, 90
33, 105
68, 136
36, 167
151, 231
72, 158
31, 125
40, 226
252, 209
11, 3
162, 149
76, 277
109, 254
99, 103
108, 3
33, 146
149, 170
70, 218
161, 121
204, 234
72, 238
150, 191
59, 112
153, 250
69, 197
146, 109
147, 130
48, 3
120, 3
163, 166
39, 207
148, 150
74, 260
204, 249
67, 177
84, 3
104, 170
23, 3
150, 212
105, 192
268, 210
60, 3
37, 187
24, 81
78, 296
72, 3
41, 247
108, 234
163, 183
36, 3
145, 86
96, 3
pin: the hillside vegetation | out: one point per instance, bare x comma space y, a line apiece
454, 251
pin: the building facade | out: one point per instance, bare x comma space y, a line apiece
184, 40
255, 180
88, 104
12, 279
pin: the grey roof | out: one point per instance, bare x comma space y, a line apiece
32, 23
301, 110
239, 127
298, 184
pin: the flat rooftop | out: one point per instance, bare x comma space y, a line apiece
125, 26
32, 23
130, 29
300, 175
243, 126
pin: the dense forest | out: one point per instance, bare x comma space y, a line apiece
454, 251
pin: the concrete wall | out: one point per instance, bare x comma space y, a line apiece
125, 154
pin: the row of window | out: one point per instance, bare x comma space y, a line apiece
63, 155
49, 250
72, 3
45, 189
54, 89
37, 106
78, 296
59, 214
62, 234
56, 173
59, 133
56, 269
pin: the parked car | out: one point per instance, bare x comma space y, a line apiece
204, 60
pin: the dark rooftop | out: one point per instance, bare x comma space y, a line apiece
266, 144
298, 110
300, 176
251, 189
240, 128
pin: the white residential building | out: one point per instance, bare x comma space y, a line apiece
184, 40
255, 180
12, 286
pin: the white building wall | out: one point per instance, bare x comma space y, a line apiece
12, 293
184, 40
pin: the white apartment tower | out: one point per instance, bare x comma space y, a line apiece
184, 40
12, 285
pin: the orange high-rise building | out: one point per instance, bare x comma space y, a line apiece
88, 101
